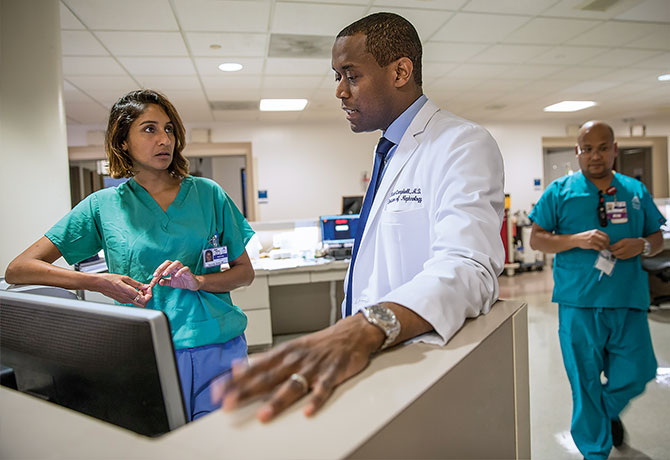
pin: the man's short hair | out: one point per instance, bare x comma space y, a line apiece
389, 37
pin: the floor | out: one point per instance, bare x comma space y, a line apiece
647, 419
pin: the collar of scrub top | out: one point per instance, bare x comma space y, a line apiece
396, 130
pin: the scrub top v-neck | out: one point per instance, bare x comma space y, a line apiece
136, 236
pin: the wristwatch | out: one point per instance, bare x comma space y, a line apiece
647, 247
384, 318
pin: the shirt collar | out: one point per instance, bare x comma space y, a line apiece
397, 129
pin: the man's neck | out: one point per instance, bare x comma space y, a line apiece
602, 183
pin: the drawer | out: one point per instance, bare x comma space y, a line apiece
327, 275
252, 297
259, 327
281, 279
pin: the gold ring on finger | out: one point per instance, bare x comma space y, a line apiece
301, 380
137, 297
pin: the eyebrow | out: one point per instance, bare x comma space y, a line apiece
154, 122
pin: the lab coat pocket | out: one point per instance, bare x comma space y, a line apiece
405, 242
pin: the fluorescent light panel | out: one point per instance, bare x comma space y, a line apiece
569, 106
282, 105
665, 77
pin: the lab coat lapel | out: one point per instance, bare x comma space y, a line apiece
405, 150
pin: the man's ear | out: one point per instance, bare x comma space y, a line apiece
404, 69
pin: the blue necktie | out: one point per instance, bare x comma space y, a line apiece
383, 148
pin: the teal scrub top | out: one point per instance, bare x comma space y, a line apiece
568, 206
136, 236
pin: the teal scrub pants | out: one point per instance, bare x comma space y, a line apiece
613, 341
199, 367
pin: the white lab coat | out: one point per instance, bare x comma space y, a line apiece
432, 240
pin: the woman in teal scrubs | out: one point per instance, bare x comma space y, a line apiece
155, 230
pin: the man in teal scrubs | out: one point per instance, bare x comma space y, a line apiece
599, 223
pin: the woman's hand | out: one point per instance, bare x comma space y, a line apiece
123, 289
178, 276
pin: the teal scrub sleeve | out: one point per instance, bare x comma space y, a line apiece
544, 212
236, 230
653, 219
77, 235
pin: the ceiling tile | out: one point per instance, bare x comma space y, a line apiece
313, 19
529, 71
67, 20
236, 115
589, 87
158, 65
649, 10
233, 94
280, 66
87, 113
579, 73
237, 44
210, 66
281, 117
219, 16
90, 84
299, 81
285, 93
425, 22
479, 28
124, 14
622, 57
432, 70
73, 94
550, 31
81, 43
657, 40
525, 7
659, 62
451, 52
74, 65
427, 4
129, 43
567, 55
168, 83
613, 33
232, 81
478, 71
572, 9
504, 54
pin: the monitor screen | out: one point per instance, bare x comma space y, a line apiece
352, 204
110, 362
339, 229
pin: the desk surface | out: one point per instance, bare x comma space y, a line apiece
359, 408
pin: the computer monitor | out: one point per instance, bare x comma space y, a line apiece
340, 229
110, 362
352, 204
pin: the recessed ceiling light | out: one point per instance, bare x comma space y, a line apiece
282, 105
230, 67
569, 106
665, 77
215, 46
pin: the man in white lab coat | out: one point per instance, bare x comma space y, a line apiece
428, 251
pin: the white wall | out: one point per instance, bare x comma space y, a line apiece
307, 168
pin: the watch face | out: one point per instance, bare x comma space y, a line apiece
381, 313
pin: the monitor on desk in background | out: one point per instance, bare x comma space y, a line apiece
339, 230
110, 362
352, 204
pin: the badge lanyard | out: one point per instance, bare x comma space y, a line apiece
216, 255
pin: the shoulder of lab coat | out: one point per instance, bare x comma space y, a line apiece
460, 279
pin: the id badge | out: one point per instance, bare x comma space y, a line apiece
605, 262
215, 257
616, 212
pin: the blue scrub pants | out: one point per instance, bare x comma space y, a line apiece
198, 368
615, 341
